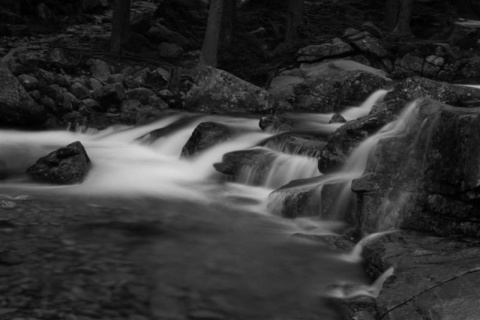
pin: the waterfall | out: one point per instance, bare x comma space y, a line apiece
353, 168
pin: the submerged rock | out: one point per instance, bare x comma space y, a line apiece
251, 166
206, 135
17, 108
67, 165
218, 91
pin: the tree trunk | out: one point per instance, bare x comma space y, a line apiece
120, 25
392, 8
228, 24
211, 42
294, 19
404, 15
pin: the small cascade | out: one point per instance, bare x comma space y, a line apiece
347, 290
356, 254
281, 169
365, 108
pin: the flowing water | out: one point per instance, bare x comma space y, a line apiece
221, 254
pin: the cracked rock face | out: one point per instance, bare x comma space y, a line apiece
434, 278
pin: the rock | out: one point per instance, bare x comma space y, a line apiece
417, 87
169, 50
109, 95
301, 201
283, 86
409, 65
54, 92
337, 118
80, 91
218, 91
116, 78
17, 108
276, 124
95, 84
430, 275
161, 33
50, 105
296, 143
67, 165
59, 58
206, 135
335, 47
329, 86
373, 29
371, 45
345, 139
141, 94
91, 104
428, 173
130, 106
100, 70
239, 163
28, 82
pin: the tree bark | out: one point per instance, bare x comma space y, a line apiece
211, 42
120, 25
228, 24
402, 16
294, 19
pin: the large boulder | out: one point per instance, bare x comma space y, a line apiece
67, 165
417, 87
426, 177
433, 277
218, 91
17, 108
327, 86
206, 135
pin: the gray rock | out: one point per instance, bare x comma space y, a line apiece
17, 108
296, 143
276, 124
370, 45
169, 50
80, 91
141, 94
100, 70
329, 86
236, 163
218, 91
109, 95
433, 277
417, 87
206, 135
67, 165
337, 118
428, 173
28, 82
161, 33
333, 48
